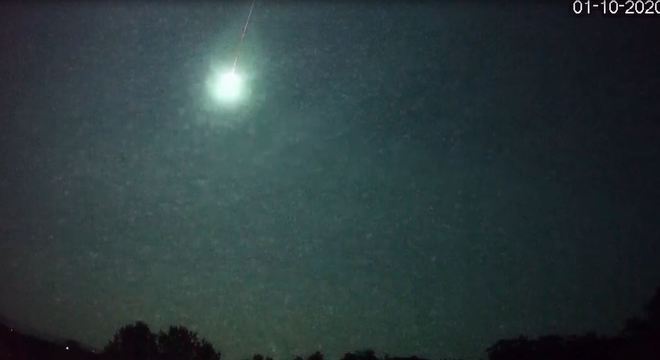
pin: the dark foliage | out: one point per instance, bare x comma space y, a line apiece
316, 356
361, 355
133, 342
260, 357
206, 351
177, 343
639, 340
371, 355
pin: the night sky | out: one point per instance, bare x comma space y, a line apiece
413, 178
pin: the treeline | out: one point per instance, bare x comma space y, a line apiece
638, 340
137, 342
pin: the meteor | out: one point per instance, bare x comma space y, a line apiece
227, 86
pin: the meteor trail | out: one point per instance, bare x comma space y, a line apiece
245, 27
228, 86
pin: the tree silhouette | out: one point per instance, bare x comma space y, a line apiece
179, 343
367, 354
137, 342
133, 342
635, 327
651, 323
206, 351
652, 309
639, 340
642, 335
316, 356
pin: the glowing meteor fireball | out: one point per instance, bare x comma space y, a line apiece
226, 87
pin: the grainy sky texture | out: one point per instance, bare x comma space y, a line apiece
416, 178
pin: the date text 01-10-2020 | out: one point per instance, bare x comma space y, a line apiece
616, 7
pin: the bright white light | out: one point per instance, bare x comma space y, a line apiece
226, 87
